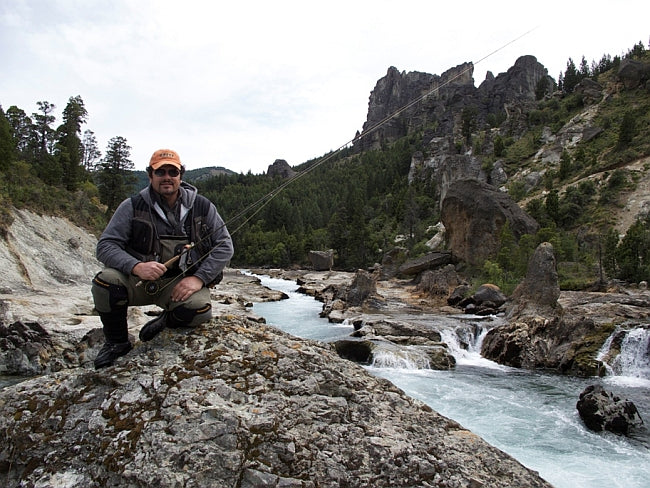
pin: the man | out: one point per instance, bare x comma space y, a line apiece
165, 246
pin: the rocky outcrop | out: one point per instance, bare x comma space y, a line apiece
398, 89
236, 404
474, 213
567, 343
280, 168
540, 290
447, 96
541, 333
602, 410
391, 261
362, 287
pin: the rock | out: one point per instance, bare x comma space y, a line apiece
590, 90
602, 410
322, 260
458, 294
486, 300
362, 287
440, 282
428, 261
25, 348
471, 209
633, 73
391, 261
280, 168
538, 293
235, 403
398, 331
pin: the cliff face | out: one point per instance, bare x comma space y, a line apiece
439, 113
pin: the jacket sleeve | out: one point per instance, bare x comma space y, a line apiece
111, 247
222, 250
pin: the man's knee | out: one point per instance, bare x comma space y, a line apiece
184, 316
109, 293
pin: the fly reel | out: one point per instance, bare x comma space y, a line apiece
152, 287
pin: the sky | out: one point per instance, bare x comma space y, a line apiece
243, 83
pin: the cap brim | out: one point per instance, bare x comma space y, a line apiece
164, 162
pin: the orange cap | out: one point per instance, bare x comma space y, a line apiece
165, 156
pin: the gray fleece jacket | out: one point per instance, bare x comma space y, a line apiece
112, 244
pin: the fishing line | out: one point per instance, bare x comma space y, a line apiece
263, 201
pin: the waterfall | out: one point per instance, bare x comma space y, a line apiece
626, 353
388, 356
464, 343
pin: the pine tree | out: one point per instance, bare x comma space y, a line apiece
69, 149
22, 129
91, 152
114, 178
7, 146
571, 77
42, 144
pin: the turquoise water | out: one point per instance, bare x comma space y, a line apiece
529, 415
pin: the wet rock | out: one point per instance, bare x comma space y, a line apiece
602, 410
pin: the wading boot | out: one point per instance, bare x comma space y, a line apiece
154, 327
110, 351
117, 337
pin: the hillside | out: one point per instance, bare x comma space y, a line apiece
574, 158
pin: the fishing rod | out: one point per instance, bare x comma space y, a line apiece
264, 200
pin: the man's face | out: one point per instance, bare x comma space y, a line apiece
164, 183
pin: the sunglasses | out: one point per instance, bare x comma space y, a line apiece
160, 172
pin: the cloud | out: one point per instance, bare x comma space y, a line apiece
244, 83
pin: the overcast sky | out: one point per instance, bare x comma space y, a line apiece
243, 84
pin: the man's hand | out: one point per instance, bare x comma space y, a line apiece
186, 288
149, 270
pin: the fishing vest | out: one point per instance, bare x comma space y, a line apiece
149, 244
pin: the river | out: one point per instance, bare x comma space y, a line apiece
531, 416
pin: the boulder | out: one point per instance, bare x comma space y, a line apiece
322, 260
590, 90
362, 287
633, 73
474, 213
439, 282
602, 410
486, 300
538, 293
428, 261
